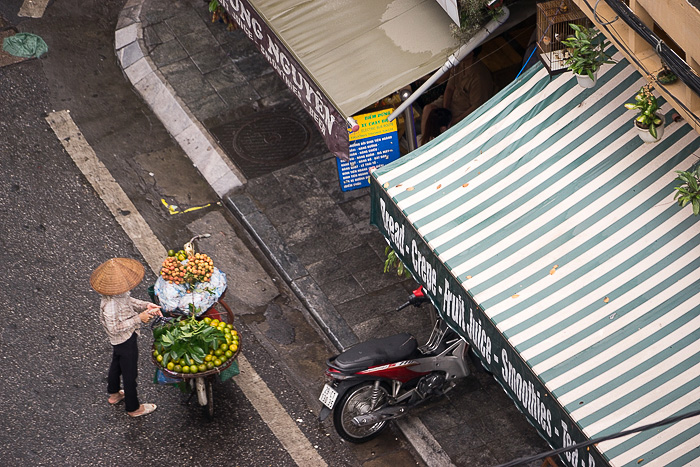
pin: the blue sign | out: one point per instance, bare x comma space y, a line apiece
375, 144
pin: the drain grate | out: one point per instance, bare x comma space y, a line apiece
269, 140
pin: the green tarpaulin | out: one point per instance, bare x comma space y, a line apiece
546, 233
25, 45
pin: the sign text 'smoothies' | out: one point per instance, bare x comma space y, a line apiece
464, 315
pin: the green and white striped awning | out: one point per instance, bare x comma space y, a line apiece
547, 235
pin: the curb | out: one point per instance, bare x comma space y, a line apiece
190, 134
218, 170
292, 270
226, 180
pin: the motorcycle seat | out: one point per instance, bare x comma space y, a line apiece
376, 352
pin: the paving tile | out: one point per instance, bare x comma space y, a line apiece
152, 13
473, 457
371, 305
163, 32
209, 106
440, 417
374, 278
267, 192
187, 81
315, 203
218, 29
340, 196
326, 269
151, 38
268, 85
357, 209
239, 96
253, 65
360, 258
283, 213
209, 59
298, 181
167, 53
513, 446
280, 98
311, 251
198, 41
300, 229
391, 322
351, 235
342, 290
185, 22
226, 75
238, 46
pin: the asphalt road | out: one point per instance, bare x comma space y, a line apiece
54, 230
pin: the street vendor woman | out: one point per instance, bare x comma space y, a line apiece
122, 317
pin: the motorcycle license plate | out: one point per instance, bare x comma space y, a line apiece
328, 396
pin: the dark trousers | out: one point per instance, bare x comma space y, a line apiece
125, 358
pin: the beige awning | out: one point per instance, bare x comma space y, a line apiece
359, 51
340, 56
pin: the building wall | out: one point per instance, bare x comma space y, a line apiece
680, 20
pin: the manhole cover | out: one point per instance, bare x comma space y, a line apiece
266, 141
270, 139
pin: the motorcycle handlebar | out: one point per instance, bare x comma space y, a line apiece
416, 299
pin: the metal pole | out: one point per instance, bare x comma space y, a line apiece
409, 123
454, 59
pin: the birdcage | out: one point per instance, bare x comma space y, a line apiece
553, 19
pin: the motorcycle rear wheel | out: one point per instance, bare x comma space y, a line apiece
358, 401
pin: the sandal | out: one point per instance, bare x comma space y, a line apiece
147, 408
120, 397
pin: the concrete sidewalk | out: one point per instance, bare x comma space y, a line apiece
260, 152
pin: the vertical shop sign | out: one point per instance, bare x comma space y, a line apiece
374, 144
327, 118
457, 307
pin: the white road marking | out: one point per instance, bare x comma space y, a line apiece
135, 226
33, 8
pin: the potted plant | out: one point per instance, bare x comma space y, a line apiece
689, 191
649, 124
586, 54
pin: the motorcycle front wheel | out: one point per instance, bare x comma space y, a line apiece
359, 400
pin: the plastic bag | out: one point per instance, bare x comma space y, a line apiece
24, 44
176, 298
230, 372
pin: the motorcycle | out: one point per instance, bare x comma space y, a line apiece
382, 379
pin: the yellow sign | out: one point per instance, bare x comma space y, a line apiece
373, 124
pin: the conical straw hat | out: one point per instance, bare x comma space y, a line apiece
116, 276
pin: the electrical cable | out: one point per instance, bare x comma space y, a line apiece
668, 57
591, 442
621, 44
598, 18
